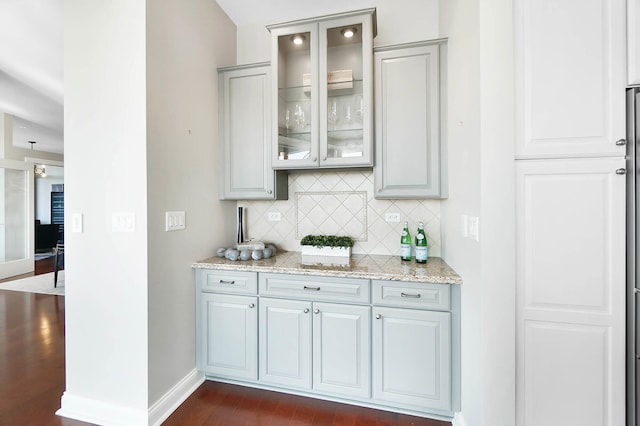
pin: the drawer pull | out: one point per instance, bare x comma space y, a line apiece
252, 305
316, 311
415, 296
312, 288
378, 316
306, 310
227, 282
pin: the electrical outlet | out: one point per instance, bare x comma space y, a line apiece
392, 217
274, 216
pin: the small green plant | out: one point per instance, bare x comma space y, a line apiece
326, 241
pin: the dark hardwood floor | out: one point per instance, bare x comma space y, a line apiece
32, 380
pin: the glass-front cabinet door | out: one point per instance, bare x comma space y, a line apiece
323, 73
295, 53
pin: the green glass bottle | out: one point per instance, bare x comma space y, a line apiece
405, 243
421, 244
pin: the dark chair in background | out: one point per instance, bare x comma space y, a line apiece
46, 236
58, 261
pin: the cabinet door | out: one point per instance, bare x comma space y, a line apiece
570, 272
285, 342
407, 111
570, 77
294, 53
341, 349
228, 336
633, 42
412, 358
245, 135
346, 90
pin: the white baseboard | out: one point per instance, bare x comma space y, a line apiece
171, 400
458, 419
99, 412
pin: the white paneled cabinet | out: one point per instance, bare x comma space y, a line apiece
571, 291
570, 78
633, 42
409, 140
245, 135
570, 212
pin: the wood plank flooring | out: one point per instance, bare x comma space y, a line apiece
32, 380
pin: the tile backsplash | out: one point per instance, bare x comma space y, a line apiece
340, 203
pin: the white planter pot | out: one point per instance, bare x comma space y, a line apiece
326, 255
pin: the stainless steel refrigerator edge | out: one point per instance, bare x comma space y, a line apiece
633, 263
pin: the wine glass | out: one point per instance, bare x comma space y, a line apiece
287, 119
359, 106
332, 113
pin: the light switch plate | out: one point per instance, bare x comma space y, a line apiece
76, 222
175, 221
123, 222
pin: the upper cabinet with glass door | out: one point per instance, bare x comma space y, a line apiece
322, 74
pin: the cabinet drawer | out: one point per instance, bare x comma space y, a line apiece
315, 288
412, 295
228, 281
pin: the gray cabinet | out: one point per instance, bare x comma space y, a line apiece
227, 326
409, 116
245, 135
323, 88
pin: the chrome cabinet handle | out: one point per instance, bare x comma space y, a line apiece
621, 171
251, 305
306, 310
269, 191
314, 159
316, 311
415, 296
324, 159
621, 142
378, 316
312, 288
227, 282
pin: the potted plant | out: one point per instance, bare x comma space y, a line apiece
326, 249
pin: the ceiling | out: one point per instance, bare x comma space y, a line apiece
31, 82
31, 57
248, 12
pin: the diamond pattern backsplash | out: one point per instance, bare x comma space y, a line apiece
340, 203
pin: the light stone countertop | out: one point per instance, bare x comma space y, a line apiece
375, 267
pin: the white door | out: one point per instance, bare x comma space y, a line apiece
412, 358
570, 71
229, 335
285, 342
16, 218
341, 349
570, 265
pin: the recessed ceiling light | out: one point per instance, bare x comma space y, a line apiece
298, 39
348, 32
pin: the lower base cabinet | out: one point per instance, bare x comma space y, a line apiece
384, 344
314, 345
410, 372
229, 335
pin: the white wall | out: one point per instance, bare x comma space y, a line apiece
186, 42
106, 170
399, 21
481, 184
